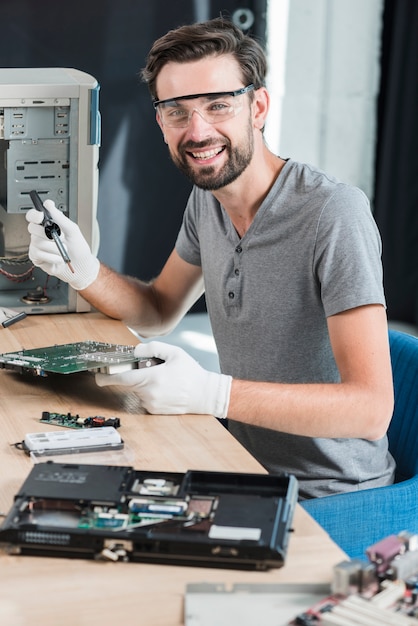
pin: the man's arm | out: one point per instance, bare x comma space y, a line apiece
360, 406
152, 308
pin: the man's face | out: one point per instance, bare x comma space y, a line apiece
211, 155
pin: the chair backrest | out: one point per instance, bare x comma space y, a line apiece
403, 429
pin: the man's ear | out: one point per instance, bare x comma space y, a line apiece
161, 125
260, 107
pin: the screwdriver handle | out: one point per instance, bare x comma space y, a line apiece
52, 230
49, 225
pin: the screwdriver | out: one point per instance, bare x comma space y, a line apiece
52, 230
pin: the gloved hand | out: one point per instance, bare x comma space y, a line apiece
44, 253
179, 385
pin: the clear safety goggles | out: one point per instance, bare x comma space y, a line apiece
212, 107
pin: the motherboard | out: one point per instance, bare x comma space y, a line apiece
76, 357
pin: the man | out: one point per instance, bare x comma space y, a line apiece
289, 259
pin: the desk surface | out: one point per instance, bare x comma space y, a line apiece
38, 590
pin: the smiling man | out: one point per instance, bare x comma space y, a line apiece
211, 162
289, 260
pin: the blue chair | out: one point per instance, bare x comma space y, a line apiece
358, 519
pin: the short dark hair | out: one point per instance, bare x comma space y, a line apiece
196, 41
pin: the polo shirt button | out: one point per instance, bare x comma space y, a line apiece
236, 272
231, 295
238, 249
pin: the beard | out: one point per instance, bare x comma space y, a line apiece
210, 178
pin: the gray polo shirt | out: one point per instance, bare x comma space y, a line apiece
313, 250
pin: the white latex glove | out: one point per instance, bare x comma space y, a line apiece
44, 253
179, 385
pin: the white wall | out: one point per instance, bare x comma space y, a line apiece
324, 79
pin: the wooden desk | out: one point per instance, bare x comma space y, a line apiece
61, 592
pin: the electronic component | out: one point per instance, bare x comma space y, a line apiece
76, 357
382, 590
384, 551
223, 519
9, 316
155, 486
382, 608
49, 143
162, 508
403, 566
75, 421
68, 442
355, 576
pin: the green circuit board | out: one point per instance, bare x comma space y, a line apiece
70, 358
67, 420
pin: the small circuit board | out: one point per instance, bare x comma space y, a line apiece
67, 420
71, 358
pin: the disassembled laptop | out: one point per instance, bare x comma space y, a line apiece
222, 519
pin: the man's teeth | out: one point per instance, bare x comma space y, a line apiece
208, 154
